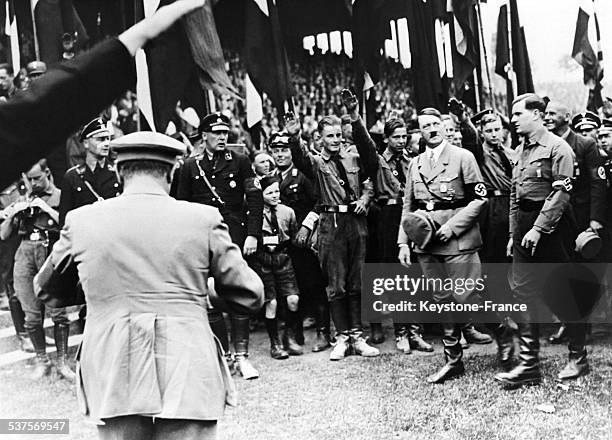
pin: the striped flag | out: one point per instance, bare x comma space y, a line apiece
173, 64
10, 29
587, 51
266, 59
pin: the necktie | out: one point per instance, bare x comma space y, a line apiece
432, 160
504, 160
344, 182
274, 220
399, 168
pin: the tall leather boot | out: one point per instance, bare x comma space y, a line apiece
42, 365
416, 339
340, 315
527, 372
504, 337
578, 364
240, 338
290, 335
18, 318
219, 329
323, 339
276, 348
61, 332
453, 352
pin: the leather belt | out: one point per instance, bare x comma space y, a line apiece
339, 209
437, 206
497, 193
530, 205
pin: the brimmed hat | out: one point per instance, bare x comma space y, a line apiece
214, 122
419, 227
588, 244
147, 145
585, 121
96, 126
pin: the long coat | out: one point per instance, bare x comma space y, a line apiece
143, 259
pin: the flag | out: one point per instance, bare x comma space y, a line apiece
52, 19
428, 87
265, 56
10, 29
369, 30
465, 47
587, 52
187, 54
513, 66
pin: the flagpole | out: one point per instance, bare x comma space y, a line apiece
476, 90
36, 47
511, 75
486, 56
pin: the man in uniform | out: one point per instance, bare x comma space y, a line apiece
540, 228
149, 365
224, 179
96, 179
589, 193
34, 217
445, 182
344, 195
586, 124
393, 166
297, 192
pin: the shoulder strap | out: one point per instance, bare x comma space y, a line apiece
207, 183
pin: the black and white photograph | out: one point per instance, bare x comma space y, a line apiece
306, 219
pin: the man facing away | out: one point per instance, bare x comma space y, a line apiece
149, 365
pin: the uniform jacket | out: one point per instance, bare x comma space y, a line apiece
34, 122
287, 224
297, 192
143, 259
589, 193
541, 161
232, 178
454, 173
75, 192
321, 169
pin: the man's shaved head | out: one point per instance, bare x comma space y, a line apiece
557, 117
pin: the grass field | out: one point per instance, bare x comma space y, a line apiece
310, 397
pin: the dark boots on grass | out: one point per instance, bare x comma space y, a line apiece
42, 364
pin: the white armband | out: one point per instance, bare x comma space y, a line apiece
310, 220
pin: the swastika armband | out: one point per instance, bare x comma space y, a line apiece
480, 190
564, 184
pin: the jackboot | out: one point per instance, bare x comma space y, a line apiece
276, 348
289, 336
474, 336
240, 338
504, 337
453, 353
416, 339
42, 365
354, 312
299, 328
578, 364
322, 342
560, 336
527, 372
61, 332
377, 334
219, 328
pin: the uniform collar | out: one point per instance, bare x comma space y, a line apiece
537, 136
437, 151
388, 155
327, 157
285, 173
